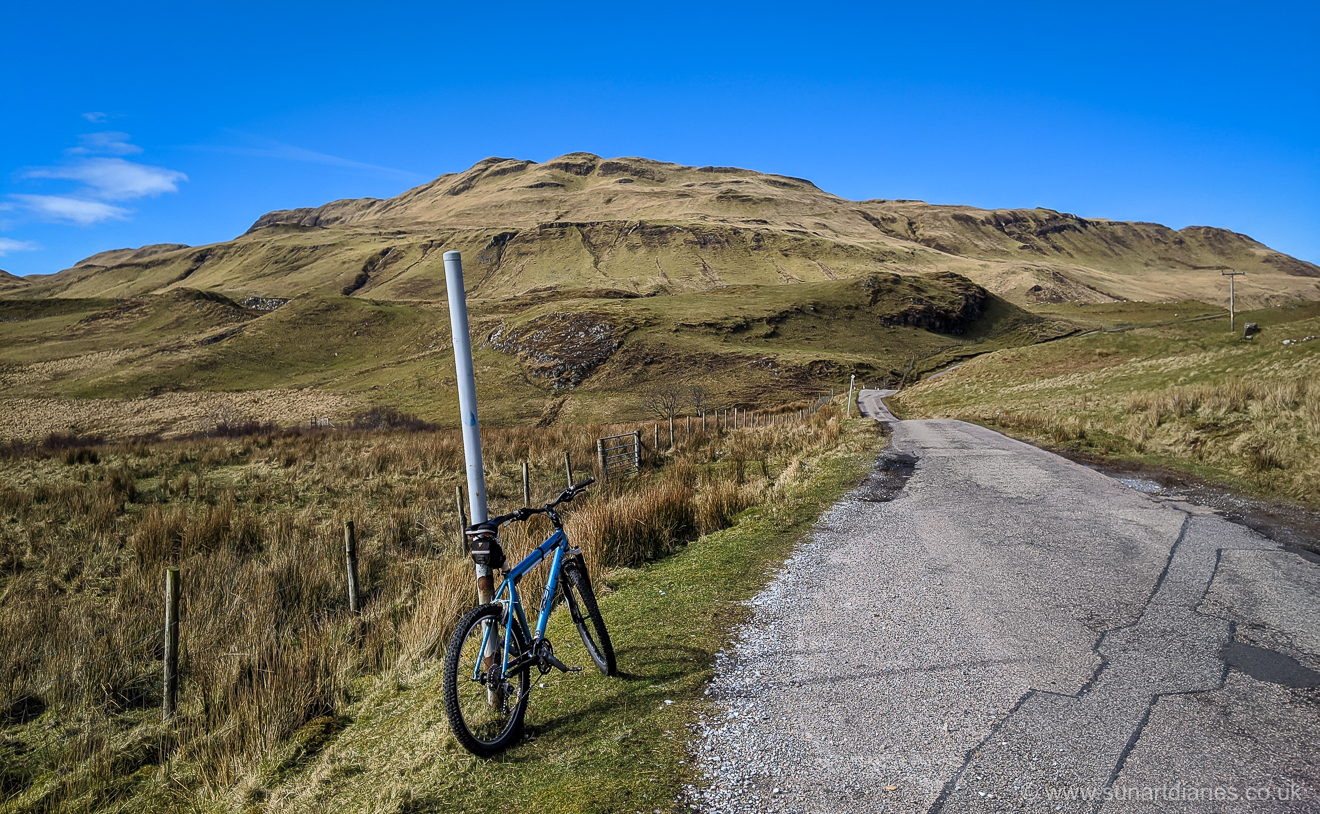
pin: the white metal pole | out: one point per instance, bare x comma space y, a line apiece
851, 379
467, 404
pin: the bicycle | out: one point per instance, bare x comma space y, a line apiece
488, 664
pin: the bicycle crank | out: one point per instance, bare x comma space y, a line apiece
546, 661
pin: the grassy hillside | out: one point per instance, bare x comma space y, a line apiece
181, 361
10, 282
591, 282
646, 226
1157, 384
286, 697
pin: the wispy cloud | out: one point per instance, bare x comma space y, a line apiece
104, 177
8, 246
109, 143
72, 210
268, 148
115, 179
95, 118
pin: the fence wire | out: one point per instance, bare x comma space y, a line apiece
234, 601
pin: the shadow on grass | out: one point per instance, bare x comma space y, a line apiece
588, 713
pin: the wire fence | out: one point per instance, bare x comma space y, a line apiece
90, 706
89, 713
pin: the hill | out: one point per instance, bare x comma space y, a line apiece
592, 282
10, 282
652, 227
182, 361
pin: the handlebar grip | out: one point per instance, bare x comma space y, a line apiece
584, 484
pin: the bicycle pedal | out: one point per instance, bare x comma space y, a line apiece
574, 669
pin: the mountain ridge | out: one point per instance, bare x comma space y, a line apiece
649, 226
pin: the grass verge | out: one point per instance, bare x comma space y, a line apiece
1186, 395
595, 744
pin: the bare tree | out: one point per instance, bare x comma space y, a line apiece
698, 398
664, 400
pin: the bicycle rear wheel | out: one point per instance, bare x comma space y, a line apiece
582, 606
485, 710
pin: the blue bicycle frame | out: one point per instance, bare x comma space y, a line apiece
555, 546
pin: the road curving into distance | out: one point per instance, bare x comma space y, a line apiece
983, 626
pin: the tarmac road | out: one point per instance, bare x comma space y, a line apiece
1010, 631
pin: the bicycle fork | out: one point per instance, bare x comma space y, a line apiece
492, 661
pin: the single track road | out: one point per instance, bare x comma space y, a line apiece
1011, 631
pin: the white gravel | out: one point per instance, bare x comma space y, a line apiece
805, 696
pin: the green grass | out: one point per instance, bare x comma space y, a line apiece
1188, 395
748, 346
1110, 315
597, 744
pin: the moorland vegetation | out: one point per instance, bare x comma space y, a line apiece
271, 656
1159, 384
226, 408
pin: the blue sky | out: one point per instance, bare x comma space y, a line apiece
137, 123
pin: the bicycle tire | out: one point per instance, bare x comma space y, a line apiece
591, 626
486, 715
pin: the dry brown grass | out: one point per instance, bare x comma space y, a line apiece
1265, 432
1184, 395
168, 414
255, 526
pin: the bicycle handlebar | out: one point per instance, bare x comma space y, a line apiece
522, 514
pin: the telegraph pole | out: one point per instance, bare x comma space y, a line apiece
1231, 275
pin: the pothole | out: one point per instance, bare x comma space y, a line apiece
1142, 485
887, 479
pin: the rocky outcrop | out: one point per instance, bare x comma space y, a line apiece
263, 303
563, 348
950, 307
302, 216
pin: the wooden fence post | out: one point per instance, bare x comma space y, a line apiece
656, 443
637, 450
171, 643
351, 562
671, 432
600, 458
568, 467
527, 483
462, 520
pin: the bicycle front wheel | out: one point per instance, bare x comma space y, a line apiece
484, 708
586, 616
